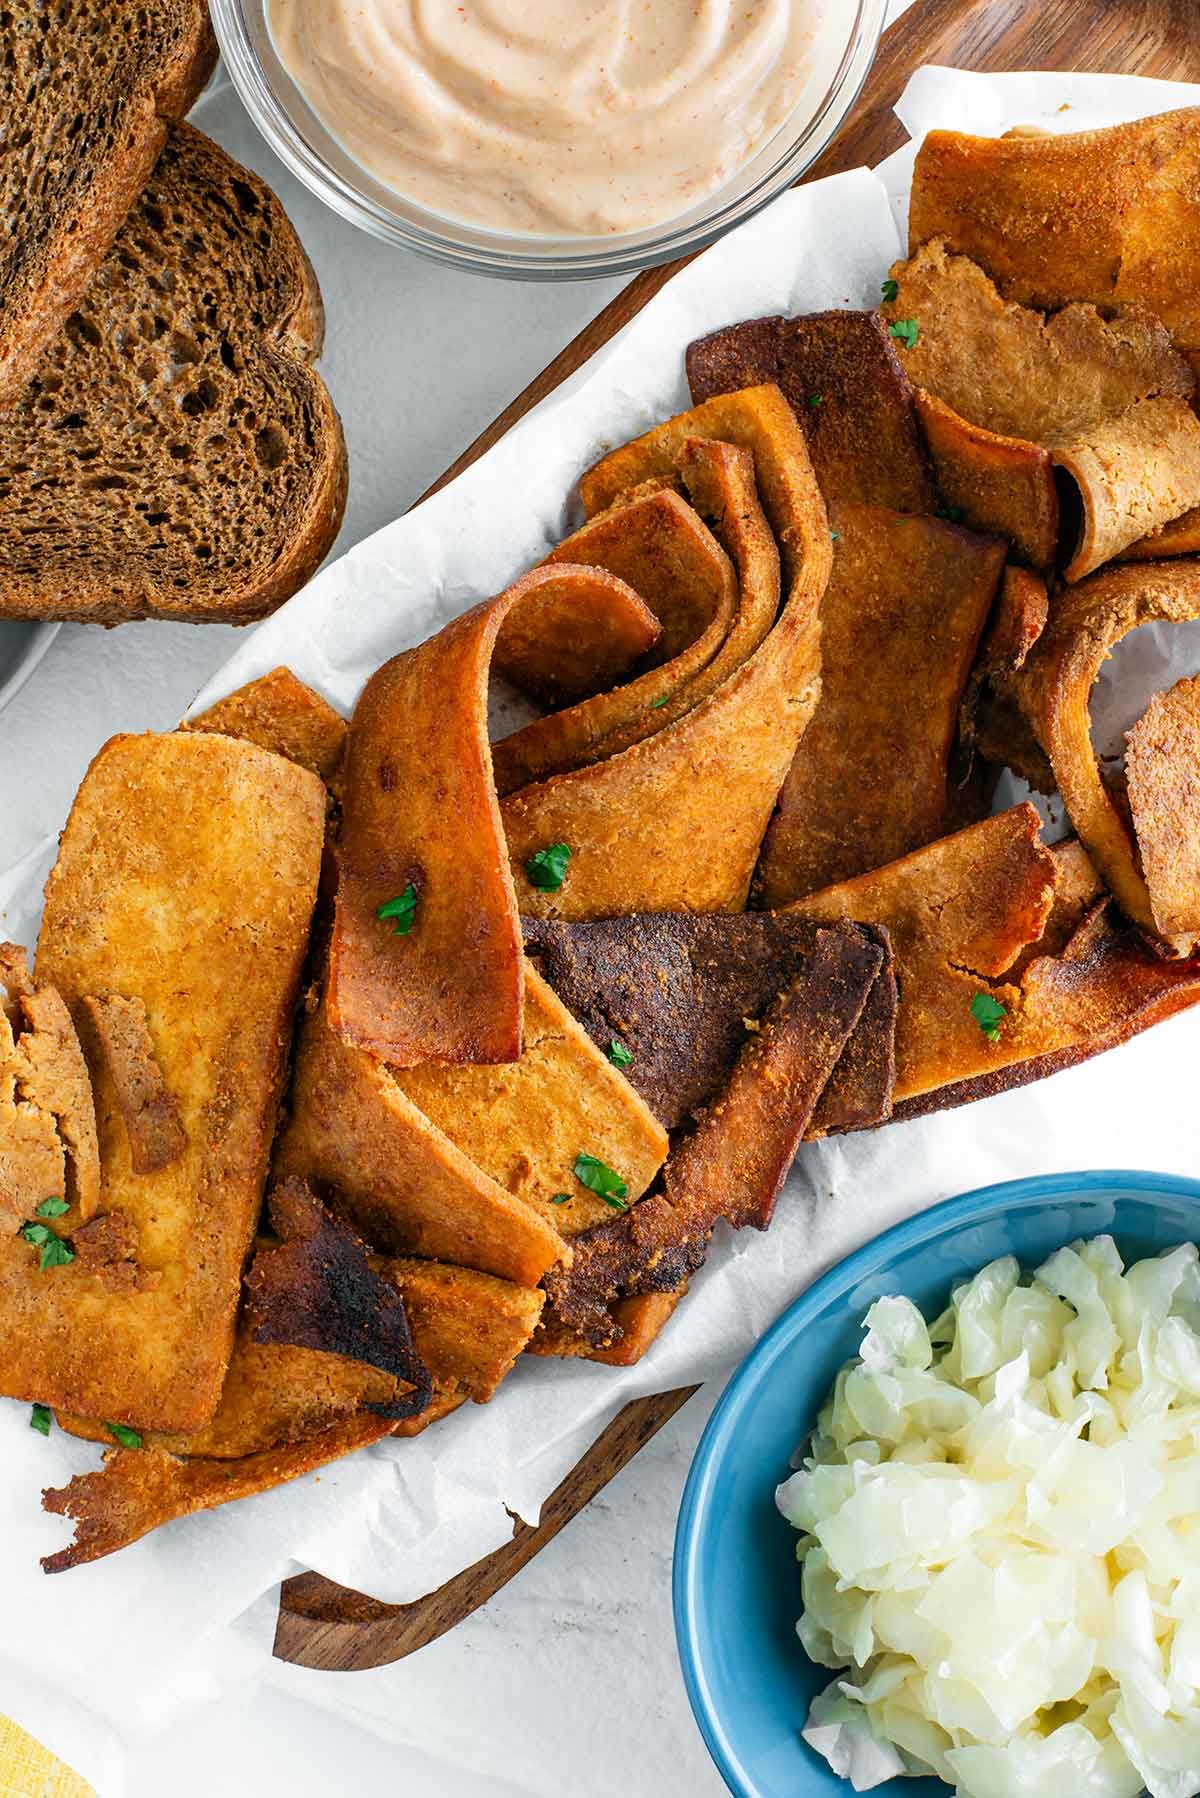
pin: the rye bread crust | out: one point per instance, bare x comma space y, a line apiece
87, 93
175, 455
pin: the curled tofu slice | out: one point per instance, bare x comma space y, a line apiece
48, 1143
1054, 689
676, 992
524, 1123
720, 479
1162, 768
138, 1490
649, 828
1018, 372
363, 1144
1123, 200
1135, 473
278, 712
421, 834
841, 375
656, 544
685, 576
119, 1033
186, 877
316, 1288
908, 601
1105, 399
958, 913
609, 637
1001, 484
733, 1165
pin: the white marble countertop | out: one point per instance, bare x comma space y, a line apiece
419, 360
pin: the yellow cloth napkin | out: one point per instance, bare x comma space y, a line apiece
27, 1770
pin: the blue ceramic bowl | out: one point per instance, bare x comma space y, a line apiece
736, 1582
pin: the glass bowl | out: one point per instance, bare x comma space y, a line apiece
314, 155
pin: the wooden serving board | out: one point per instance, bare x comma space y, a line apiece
325, 1626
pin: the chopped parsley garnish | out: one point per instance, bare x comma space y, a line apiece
601, 1180
835, 536
907, 330
548, 868
952, 514
815, 400
126, 1437
618, 1054
52, 1208
890, 290
655, 703
561, 1198
988, 1013
55, 1252
403, 909
40, 1419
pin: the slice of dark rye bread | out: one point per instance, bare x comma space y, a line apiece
175, 455
87, 90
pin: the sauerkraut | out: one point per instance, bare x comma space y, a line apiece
1000, 1535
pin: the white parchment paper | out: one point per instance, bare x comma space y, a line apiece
131, 1642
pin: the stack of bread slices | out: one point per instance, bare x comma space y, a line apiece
166, 448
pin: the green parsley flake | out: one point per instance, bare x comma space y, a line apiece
988, 1013
655, 703
952, 514
126, 1437
548, 868
890, 290
601, 1180
55, 1252
815, 400
561, 1198
835, 536
40, 1419
403, 909
907, 330
618, 1054
52, 1208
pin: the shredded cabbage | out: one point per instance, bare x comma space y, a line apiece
1000, 1535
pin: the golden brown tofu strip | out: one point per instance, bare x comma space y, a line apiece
48, 1144
525, 1122
870, 780
278, 712
468, 1329
1126, 226
120, 1037
139, 1489
368, 1150
186, 879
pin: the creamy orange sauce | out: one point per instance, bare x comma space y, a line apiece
578, 117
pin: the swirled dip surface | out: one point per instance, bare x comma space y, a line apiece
579, 117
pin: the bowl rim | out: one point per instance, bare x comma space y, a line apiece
924, 1226
521, 258
40, 639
